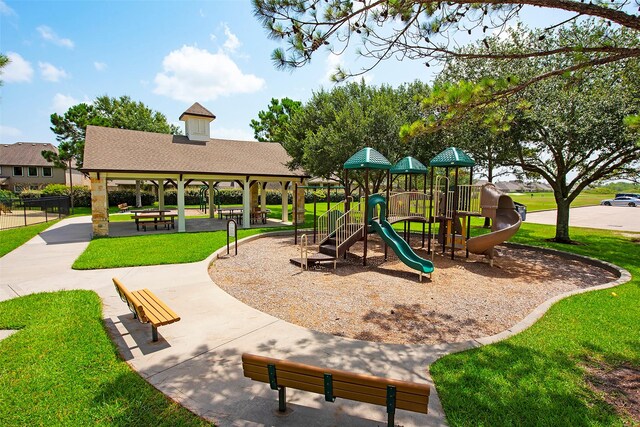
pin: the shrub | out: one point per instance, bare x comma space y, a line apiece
30, 194
56, 190
117, 197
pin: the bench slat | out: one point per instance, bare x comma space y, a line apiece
343, 376
338, 386
344, 394
157, 312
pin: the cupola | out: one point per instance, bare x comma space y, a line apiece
197, 121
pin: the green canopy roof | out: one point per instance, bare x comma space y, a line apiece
452, 156
367, 158
409, 165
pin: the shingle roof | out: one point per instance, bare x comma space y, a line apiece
198, 110
108, 149
25, 154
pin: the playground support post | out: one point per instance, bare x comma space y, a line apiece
388, 195
430, 217
294, 212
454, 214
424, 191
366, 215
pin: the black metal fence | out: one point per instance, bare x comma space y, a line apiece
17, 212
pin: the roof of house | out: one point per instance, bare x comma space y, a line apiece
197, 110
121, 150
25, 154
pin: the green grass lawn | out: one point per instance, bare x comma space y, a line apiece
15, 237
62, 369
546, 201
538, 377
155, 249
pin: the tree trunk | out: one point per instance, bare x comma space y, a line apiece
562, 221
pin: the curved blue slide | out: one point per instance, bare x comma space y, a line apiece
392, 239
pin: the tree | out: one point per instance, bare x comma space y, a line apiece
569, 129
272, 124
121, 113
4, 60
333, 125
424, 29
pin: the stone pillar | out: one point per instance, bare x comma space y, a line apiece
99, 205
254, 195
182, 222
300, 208
212, 201
161, 194
285, 202
246, 205
263, 197
138, 194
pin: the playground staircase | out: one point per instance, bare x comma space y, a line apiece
338, 229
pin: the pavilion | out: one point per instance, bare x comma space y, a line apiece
181, 159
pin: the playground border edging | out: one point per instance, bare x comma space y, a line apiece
623, 276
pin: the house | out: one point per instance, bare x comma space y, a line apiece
120, 154
22, 167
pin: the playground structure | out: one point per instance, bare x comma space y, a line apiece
451, 206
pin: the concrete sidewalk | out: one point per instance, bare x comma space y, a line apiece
197, 360
621, 218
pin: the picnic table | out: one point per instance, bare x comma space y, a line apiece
154, 216
236, 214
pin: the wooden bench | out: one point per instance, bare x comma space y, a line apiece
146, 307
123, 207
280, 374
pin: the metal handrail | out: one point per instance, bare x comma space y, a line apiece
408, 204
324, 225
349, 224
469, 198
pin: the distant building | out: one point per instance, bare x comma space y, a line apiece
22, 167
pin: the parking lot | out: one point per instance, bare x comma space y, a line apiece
621, 218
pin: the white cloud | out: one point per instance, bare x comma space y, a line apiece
333, 62
8, 132
100, 66
61, 103
6, 10
17, 70
51, 73
232, 43
49, 35
191, 74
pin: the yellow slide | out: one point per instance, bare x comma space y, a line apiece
505, 221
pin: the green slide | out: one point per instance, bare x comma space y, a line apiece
391, 238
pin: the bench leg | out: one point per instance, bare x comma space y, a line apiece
391, 420
154, 333
282, 399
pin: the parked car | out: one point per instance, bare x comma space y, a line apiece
636, 195
622, 201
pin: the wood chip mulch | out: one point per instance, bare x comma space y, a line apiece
385, 301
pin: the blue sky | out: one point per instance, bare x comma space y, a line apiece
167, 54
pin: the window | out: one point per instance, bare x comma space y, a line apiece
34, 187
17, 171
32, 171
17, 189
46, 171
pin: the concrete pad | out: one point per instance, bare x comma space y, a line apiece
621, 218
5, 333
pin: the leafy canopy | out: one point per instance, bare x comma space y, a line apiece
122, 113
272, 124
